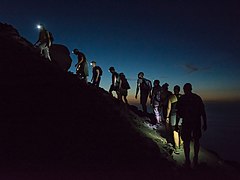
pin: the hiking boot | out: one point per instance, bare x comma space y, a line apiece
176, 151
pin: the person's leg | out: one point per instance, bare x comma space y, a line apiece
143, 101
98, 82
176, 139
157, 114
196, 151
125, 99
119, 95
46, 52
169, 134
186, 137
111, 89
144, 108
186, 145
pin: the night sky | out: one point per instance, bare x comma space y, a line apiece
174, 41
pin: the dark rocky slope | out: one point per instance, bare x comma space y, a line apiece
52, 122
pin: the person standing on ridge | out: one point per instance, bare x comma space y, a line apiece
173, 121
123, 87
44, 41
164, 100
178, 124
96, 74
155, 100
81, 66
145, 87
190, 107
115, 82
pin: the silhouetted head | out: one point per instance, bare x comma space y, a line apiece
40, 27
75, 51
156, 82
187, 88
111, 69
165, 86
122, 75
93, 63
176, 89
140, 75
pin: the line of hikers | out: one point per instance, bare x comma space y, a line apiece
119, 81
181, 114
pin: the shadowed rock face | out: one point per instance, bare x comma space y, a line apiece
51, 119
52, 122
61, 56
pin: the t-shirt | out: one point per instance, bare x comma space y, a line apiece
94, 71
144, 84
190, 107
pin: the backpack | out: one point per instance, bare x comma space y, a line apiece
146, 85
51, 38
125, 84
100, 71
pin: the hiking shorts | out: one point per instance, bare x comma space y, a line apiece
123, 92
191, 130
173, 120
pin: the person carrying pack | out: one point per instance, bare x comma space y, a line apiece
123, 87
155, 100
81, 66
44, 41
145, 87
115, 82
96, 74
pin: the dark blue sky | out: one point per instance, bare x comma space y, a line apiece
173, 41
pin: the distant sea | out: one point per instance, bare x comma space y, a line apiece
223, 133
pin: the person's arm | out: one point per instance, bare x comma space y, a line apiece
150, 89
168, 110
137, 89
98, 74
37, 40
114, 80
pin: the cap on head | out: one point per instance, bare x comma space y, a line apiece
93, 62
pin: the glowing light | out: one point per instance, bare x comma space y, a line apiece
39, 26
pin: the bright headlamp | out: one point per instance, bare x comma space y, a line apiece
39, 26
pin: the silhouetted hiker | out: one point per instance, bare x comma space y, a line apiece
178, 124
164, 100
115, 82
145, 87
123, 87
96, 74
173, 123
191, 108
155, 100
81, 66
44, 41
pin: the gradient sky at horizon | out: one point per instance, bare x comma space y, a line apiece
174, 41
